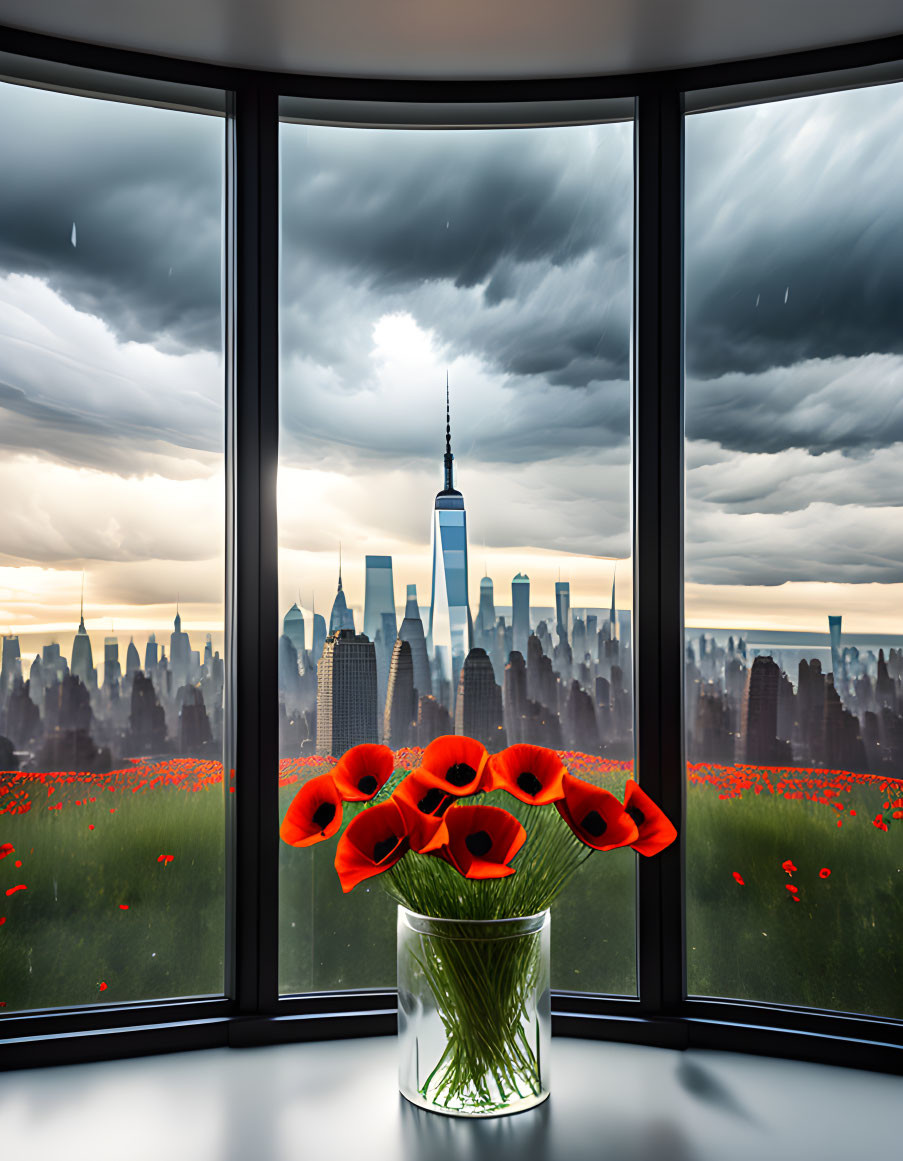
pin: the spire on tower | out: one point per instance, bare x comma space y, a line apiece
81, 623
449, 484
340, 566
612, 617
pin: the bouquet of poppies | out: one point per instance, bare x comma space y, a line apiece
469, 836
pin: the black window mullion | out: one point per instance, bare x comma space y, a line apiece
658, 535
253, 563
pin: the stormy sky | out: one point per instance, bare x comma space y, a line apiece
500, 257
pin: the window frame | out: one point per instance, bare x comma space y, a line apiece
252, 1011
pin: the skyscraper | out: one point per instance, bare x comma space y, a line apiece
379, 597
520, 612
485, 625
400, 718
346, 693
293, 628
82, 664
449, 629
562, 609
12, 661
837, 665
112, 670
412, 631
341, 616
151, 653
478, 707
179, 654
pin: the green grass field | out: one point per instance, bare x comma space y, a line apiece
97, 912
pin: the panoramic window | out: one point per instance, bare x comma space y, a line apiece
794, 557
454, 491
112, 818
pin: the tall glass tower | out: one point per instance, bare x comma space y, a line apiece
449, 629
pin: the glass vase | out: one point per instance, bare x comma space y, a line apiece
474, 1014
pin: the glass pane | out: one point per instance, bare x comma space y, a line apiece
794, 365
111, 556
467, 570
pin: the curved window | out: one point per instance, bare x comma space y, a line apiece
794, 365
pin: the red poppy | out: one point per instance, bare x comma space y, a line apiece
788, 866
824, 872
372, 842
595, 816
423, 800
480, 841
739, 878
102, 986
363, 771
6, 849
457, 762
315, 813
531, 773
790, 887
656, 830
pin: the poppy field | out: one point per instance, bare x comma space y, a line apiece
112, 890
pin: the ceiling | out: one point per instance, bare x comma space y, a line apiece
460, 39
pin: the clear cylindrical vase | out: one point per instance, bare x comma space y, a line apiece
474, 1013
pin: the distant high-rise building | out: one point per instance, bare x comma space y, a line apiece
485, 625
132, 660
151, 653
341, 616
449, 629
379, 597
400, 718
319, 634
759, 744
412, 631
520, 612
562, 609
837, 665
613, 613
112, 670
478, 707
293, 628
346, 693
12, 661
514, 699
179, 654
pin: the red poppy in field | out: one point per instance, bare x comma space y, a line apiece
824, 872
531, 773
315, 813
655, 828
363, 771
457, 762
19, 887
373, 842
102, 986
480, 841
6, 849
739, 878
788, 866
595, 816
790, 887
423, 800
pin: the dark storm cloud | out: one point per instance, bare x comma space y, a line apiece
469, 232
794, 234
143, 188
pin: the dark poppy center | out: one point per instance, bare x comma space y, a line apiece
323, 815
479, 843
384, 847
636, 814
434, 801
367, 784
460, 774
593, 823
529, 783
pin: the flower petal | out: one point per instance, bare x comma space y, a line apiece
595, 816
423, 800
457, 762
656, 830
315, 813
362, 772
531, 773
372, 842
480, 841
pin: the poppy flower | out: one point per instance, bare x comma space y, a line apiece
824, 872
790, 887
739, 878
363, 771
595, 816
656, 830
423, 800
6, 849
480, 841
372, 842
531, 773
315, 813
457, 762
788, 866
